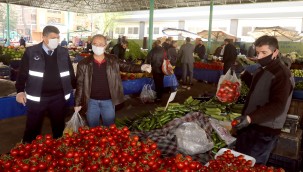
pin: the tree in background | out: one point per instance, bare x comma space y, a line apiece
13, 19
105, 22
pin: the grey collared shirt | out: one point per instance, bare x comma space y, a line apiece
46, 49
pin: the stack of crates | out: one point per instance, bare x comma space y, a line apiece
288, 152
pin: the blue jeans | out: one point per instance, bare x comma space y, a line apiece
105, 108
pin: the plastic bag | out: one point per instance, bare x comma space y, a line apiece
167, 68
74, 123
147, 94
192, 139
174, 81
229, 87
222, 132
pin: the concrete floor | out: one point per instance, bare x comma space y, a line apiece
11, 129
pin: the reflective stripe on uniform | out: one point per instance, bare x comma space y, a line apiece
63, 74
35, 73
67, 96
33, 98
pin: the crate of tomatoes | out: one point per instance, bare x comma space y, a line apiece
231, 161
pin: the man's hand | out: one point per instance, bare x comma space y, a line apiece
77, 108
244, 121
146, 68
21, 98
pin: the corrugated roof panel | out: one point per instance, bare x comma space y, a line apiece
100, 6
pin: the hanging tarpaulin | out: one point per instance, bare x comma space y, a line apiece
217, 35
281, 33
180, 32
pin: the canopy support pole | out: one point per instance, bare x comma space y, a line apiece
68, 20
8, 42
151, 24
210, 27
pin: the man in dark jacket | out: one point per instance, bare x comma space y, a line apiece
155, 58
229, 55
99, 85
119, 49
267, 103
22, 41
64, 43
251, 53
167, 44
172, 53
200, 48
45, 81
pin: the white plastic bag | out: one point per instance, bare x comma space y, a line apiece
74, 123
229, 87
222, 132
192, 139
147, 94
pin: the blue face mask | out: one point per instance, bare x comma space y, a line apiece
266, 60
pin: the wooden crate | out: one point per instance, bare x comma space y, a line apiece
296, 108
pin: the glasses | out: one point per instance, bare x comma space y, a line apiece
99, 45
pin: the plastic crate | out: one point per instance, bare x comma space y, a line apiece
298, 79
4, 72
288, 164
297, 94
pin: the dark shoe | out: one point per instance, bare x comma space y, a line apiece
191, 84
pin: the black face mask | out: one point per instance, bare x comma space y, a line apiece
265, 61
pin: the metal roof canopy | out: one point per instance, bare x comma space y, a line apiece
102, 6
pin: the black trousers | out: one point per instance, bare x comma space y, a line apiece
56, 106
227, 66
159, 85
256, 144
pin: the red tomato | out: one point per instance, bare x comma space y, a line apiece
234, 122
180, 165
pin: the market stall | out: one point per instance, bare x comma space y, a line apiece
122, 148
209, 72
10, 108
135, 86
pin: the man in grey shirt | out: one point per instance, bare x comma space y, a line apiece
187, 61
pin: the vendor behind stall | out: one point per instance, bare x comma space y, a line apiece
267, 103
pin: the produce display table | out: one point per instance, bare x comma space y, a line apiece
10, 108
207, 75
211, 76
166, 140
135, 86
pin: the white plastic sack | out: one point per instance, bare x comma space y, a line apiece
192, 139
74, 123
7, 88
229, 87
147, 94
222, 132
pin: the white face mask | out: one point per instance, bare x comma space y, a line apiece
53, 43
98, 50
